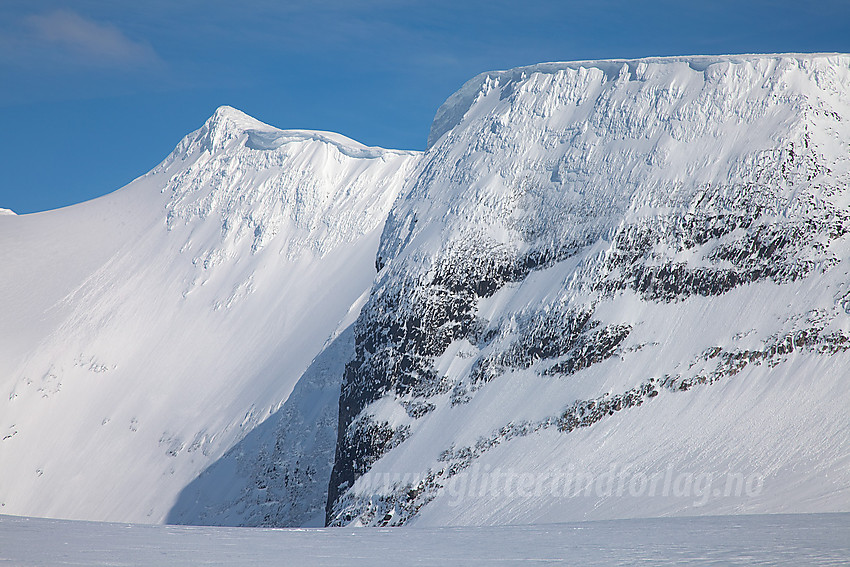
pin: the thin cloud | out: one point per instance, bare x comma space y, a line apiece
87, 42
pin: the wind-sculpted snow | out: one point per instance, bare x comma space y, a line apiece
588, 235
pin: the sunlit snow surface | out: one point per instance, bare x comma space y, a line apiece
145, 333
818, 539
665, 243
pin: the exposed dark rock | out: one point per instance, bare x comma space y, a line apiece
405, 499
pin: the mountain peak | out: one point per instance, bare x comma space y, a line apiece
229, 117
226, 124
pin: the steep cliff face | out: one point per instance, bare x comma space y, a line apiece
655, 246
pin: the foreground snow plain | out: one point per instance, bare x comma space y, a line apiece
802, 539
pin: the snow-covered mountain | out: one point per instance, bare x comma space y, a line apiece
636, 269
145, 333
629, 273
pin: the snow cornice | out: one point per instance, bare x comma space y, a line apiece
228, 123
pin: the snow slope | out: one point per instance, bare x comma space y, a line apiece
147, 332
625, 270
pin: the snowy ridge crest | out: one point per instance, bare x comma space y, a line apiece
452, 111
228, 126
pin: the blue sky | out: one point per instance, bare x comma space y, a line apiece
95, 93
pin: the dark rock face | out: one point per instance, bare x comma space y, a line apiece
739, 249
574, 339
404, 327
406, 497
401, 329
